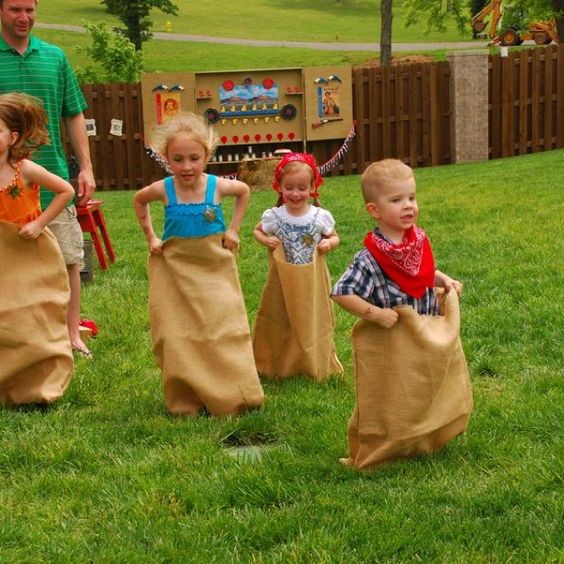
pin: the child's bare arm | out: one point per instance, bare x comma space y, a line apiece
444, 281
385, 317
263, 238
141, 200
33, 173
242, 194
328, 243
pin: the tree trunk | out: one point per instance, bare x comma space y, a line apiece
134, 25
386, 33
558, 7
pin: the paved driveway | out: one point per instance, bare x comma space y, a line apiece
297, 44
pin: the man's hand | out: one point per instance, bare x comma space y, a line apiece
86, 186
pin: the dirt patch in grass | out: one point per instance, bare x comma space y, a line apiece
399, 60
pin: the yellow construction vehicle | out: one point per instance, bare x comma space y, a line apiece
541, 32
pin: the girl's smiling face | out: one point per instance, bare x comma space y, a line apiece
295, 189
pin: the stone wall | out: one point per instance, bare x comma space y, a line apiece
469, 106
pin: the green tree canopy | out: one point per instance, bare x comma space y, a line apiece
134, 14
435, 12
116, 57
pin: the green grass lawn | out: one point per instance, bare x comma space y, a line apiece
291, 20
106, 475
346, 21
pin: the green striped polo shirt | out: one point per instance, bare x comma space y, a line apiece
43, 71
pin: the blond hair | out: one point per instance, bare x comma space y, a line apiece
188, 125
24, 115
381, 173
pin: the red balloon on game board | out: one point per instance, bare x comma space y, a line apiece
291, 135
258, 137
235, 139
280, 136
246, 138
223, 139
269, 136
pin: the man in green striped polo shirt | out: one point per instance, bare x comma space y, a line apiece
30, 65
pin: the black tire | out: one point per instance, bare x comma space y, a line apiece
542, 38
510, 37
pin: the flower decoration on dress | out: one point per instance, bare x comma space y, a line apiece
307, 239
14, 191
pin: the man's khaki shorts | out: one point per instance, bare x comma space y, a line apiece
67, 230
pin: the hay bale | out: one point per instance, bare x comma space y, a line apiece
258, 173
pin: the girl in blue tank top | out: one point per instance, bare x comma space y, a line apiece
193, 279
192, 198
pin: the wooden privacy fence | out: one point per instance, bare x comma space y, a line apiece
403, 111
399, 112
120, 161
526, 93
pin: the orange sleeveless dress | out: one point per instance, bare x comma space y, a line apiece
18, 203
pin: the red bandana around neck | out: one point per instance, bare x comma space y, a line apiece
409, 264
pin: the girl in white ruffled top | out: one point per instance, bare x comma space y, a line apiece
295, 314
295, 223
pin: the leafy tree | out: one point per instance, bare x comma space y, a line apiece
116, 55
134, 14
437, 11
434, 13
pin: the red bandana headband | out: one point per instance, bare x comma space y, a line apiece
301, 158
409, 264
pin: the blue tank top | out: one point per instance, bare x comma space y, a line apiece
192, 220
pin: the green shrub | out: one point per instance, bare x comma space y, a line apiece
115, 55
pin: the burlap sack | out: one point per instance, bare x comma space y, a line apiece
412, 386
36, 362
294, 327
200, 330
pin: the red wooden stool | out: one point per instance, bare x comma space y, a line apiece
91, 220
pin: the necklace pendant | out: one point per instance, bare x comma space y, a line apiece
210, 214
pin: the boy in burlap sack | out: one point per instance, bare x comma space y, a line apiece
36, 362
199, 327
293, 331
412, 384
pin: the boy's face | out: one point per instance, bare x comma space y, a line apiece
395, 207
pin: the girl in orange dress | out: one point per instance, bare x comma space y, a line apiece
22, 130
36, 356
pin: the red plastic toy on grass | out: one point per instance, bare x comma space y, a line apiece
90, 325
